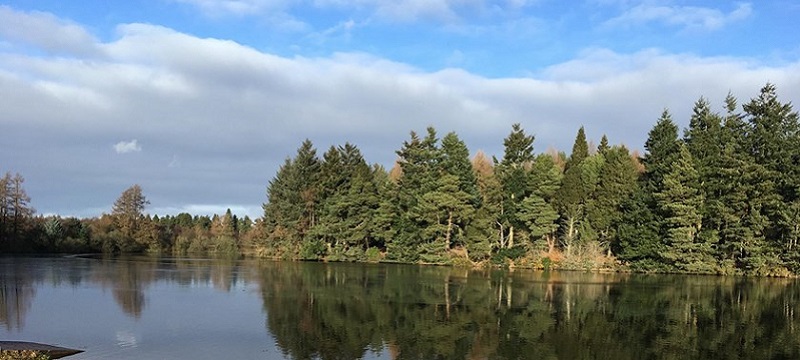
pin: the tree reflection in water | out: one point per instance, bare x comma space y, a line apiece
348, 311
341, 311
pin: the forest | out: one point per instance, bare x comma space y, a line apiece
720, 197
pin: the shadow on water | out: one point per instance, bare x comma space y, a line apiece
348, 311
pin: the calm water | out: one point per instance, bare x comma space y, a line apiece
145, 308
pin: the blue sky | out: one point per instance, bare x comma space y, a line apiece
199, 101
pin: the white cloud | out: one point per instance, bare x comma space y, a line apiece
390, 10
237, 7
124, 147
46, 31
688, 17
406, 10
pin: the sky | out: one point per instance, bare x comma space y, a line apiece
200, 101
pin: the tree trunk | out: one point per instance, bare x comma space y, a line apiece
449, 231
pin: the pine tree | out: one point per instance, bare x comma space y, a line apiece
639, 235
347, 203
580, 150
680, 200
482, 233
662, 148
292, 201
603, 147
447, 211
615, 185
703, 140
512, 171
419, 161
580, 177
455, 161
774, 139
540, 206
541, 220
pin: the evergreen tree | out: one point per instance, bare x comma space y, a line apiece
419, 161
580, 150
541, 220
512, 171
448, 210
639, 235
539, 207
5, 209
580, 177
774, 139
703, 140
347, 209
455, 161
744, 190
603, 147
292, 201
680, 200
662, 148
638, 241
615, 185
482, 232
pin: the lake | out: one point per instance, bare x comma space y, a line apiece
181, 308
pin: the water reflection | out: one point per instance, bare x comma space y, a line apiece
334, 311
16, 295
348, 311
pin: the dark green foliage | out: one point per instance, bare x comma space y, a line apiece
638, 241
538, 210
680, 201
641, 233
349, 200
419, 161
482, 232
603, 147
774, 139
518, 147
455, 161
540, 218
616, 183
578, 185
514, 177
580, 150
291, 209
662, 147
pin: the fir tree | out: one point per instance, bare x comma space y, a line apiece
680, 200
419, 161
640, 234
774, 139
579, 180
291, 207
615, 185
603, 147
514, 179
483, 231
580, 150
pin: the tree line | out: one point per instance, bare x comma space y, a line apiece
127, 229
722, 197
